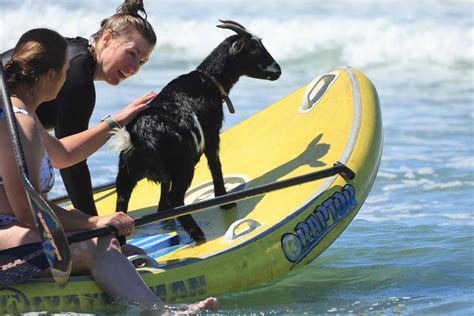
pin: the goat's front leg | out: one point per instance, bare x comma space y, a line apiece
215, 167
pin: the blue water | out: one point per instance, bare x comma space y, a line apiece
410, 250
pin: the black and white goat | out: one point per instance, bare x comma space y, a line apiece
166, 141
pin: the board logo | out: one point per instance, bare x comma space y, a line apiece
308, 234
205, 190
12, 300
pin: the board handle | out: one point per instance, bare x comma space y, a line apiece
232, 233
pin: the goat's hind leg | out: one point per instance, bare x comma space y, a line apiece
180, 184
164, 204
164, 196
127, 178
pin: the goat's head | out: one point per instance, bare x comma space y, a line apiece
253, 58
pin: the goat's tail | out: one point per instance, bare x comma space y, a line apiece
121, 141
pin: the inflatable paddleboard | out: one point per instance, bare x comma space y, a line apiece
335, 118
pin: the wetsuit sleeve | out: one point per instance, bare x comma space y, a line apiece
73, 108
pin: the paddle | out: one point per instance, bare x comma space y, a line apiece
231, 197
338, 168
53, 240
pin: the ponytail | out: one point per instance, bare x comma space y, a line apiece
126, 21
132, 7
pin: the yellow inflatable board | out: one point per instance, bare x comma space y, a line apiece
335, 118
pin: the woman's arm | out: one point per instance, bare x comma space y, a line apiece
74, 219
17, 199
73, 149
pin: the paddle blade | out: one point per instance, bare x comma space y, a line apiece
53, 239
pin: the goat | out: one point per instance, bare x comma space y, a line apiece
166, 141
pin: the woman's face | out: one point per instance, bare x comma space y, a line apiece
61, 77
121, 58
54, 81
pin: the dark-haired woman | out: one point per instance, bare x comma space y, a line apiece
117, 50
35, 74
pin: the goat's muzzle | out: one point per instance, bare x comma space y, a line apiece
273, 72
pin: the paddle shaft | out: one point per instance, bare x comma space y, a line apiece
231, 197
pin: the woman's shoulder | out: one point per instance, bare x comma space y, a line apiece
27, 123
80, 54
77, 45
81, 60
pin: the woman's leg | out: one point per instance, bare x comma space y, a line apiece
101, 257
117, 277
112, 271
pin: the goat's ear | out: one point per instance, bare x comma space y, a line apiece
237, 47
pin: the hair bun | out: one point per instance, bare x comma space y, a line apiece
132, 7
12, 65
19, 71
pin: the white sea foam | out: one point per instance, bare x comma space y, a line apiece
423, 184
356, 39
461, 163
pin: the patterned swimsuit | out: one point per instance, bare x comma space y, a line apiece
46, 178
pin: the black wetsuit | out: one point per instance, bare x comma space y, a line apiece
70, 113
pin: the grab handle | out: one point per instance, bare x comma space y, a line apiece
148, 262
232, 234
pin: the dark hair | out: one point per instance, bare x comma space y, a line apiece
36, 52
127, 20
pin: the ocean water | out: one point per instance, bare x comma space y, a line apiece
410, 250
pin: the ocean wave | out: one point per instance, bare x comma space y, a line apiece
424, 184
461, 163
413, 215
368, 39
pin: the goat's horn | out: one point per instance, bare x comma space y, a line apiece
232, 22
236, 27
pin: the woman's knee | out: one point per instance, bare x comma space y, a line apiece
108, 243
90, 252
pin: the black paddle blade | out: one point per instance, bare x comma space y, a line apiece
21, 263
53, 239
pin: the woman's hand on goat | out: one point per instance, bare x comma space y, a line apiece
130, 111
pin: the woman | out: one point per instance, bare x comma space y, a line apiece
117, 51
35, 74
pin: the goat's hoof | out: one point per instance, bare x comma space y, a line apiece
228, 206
200, 241
198, 237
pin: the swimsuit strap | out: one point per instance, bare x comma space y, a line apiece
15, 110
